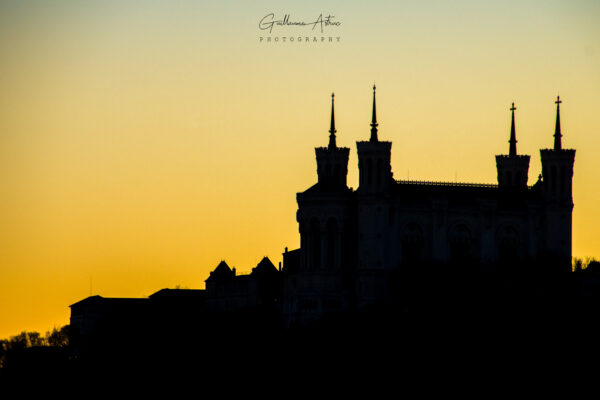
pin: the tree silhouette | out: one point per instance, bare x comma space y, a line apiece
580, 264
58, 337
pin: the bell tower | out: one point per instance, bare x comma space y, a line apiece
512, 168
321, 281
374, 160
332, 161
557, 172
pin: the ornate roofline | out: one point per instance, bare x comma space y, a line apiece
452, 184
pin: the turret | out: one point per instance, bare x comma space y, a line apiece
374, 160
512, 168
332, 161
557, 186
557, 167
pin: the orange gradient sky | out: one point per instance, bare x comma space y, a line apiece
141, 142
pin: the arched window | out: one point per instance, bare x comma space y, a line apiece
369, 172
379, 170
562, 179
553, 178
412, 244
315, 243
509, 178
508, 242
331, 243
460, 244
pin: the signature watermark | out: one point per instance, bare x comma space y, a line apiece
287, 30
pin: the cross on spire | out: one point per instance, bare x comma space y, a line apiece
557, 133
332, 144
374, 119
512, 150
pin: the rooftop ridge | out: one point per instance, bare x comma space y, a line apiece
442, 183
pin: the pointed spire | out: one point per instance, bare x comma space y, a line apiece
332, 130
557, 134
512, 151
374, 120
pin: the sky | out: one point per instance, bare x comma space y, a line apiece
142, 142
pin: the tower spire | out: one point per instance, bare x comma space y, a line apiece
374, 120
512, 151
557, 134
332, 144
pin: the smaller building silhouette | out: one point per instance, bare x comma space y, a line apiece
227, 291
230, 302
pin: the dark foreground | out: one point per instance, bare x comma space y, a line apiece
457, 331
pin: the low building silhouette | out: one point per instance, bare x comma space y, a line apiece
229, 302
227, 291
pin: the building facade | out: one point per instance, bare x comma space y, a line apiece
356, 244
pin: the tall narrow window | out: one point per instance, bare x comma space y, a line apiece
315, 241
508, 240
331, 243
412, 243
460, 244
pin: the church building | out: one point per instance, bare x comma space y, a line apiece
407, 250
353, 242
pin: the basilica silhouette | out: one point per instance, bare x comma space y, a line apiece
356, 243
391, 248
